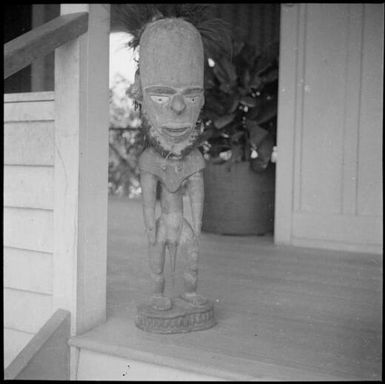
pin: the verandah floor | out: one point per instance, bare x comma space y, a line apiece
283, 313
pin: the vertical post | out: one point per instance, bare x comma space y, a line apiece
286, 123
42, 76
81, 171
37, 67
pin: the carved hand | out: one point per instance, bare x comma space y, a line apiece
151, 234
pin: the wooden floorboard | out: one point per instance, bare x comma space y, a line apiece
312, 310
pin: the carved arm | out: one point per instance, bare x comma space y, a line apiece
149, 183
196, 194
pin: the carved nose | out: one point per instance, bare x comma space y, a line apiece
177, 104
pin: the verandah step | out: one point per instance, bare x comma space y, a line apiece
117, 350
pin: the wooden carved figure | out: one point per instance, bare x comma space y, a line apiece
170, 89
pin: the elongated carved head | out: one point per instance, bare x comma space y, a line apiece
171, 66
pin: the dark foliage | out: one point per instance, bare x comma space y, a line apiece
133, 18
240, 112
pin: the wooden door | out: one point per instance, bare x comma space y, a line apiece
329, 169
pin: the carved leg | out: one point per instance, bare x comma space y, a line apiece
190, 276
156, 258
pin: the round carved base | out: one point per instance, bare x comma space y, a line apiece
182, 317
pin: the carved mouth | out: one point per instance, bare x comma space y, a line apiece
176, 130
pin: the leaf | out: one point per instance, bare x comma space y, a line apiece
265, 149
236, 136
248, 101
207, 114
209, 78
225, 87
206, 135
234, 104
224, 120
268, 112
243, 91
246, 78
248, 53
230, 129
253, 113
225, 72
236, 153
262, 64
256, 82
230, 70
270, 76
258, 165
238, 45
214, 105
256, 133
220, 73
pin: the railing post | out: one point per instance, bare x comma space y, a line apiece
81, 171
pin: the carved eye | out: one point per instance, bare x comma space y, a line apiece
192, 99
160, 99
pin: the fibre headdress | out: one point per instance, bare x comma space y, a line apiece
173, 41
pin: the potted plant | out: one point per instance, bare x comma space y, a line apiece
239, 136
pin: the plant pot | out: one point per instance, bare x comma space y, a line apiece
238, 201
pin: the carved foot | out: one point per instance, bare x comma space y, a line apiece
161, 303
194, 299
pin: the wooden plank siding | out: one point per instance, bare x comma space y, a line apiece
27, 216
27, 270
29, 129
30, 229
34, 106
28, 186
26, 311
29, 143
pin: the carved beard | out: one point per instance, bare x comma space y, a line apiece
164, 146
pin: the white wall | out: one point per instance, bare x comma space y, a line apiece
28, 216
329, 170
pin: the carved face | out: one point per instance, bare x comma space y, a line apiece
172, 111
171, 75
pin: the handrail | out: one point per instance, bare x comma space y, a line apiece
58, 319
22, 51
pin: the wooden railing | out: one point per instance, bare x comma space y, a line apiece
42, 40
46, 356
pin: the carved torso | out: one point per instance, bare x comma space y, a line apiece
171, 172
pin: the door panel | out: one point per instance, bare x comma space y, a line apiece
329, 169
